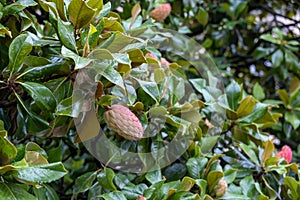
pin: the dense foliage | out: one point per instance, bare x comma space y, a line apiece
53, 52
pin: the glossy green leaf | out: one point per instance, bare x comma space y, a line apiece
208, 142
113, 196
20, 47
40, 173
68, 108
250, 153
43, 71
150, 88
258, 92
132, 192
107, 69
17, 6
80, 62
105, 179
270, 38
14, 191
247, 185
277, 58
46, 192
195, 166
175, 171
84, 182
293, 118
66, 34
154, 176
293, 186
233, 93
80, 13
117, 42
41, 95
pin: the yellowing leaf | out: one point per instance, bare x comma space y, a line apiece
246, 106
80, 13
135, 12
269, 148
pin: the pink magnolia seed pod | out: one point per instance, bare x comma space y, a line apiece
161, 13
124, 122
141, 198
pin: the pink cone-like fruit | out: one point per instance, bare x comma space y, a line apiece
124, 122
286, 153
161, 13
221, 188
141, 198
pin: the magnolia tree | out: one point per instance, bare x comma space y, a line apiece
149, 100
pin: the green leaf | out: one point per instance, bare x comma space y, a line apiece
41, 95
270, 38
132, 192
293, 186
154, 176
17, 7
20, 47
233, 93
43, 71
84, 182
7, 152
258, 112
68, 108
250, 153
12, 191
117, 42
66, 34
258, 92
104, 11
175, 171
105, 179
40, 173
150, 88
247, 185
202, 184
293, 118
284, 97
80, 13
208, 142
106, 69
80, 62
202, 16
213, 179
277, 58
45, 192
246, 106
113, 196
195, 166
